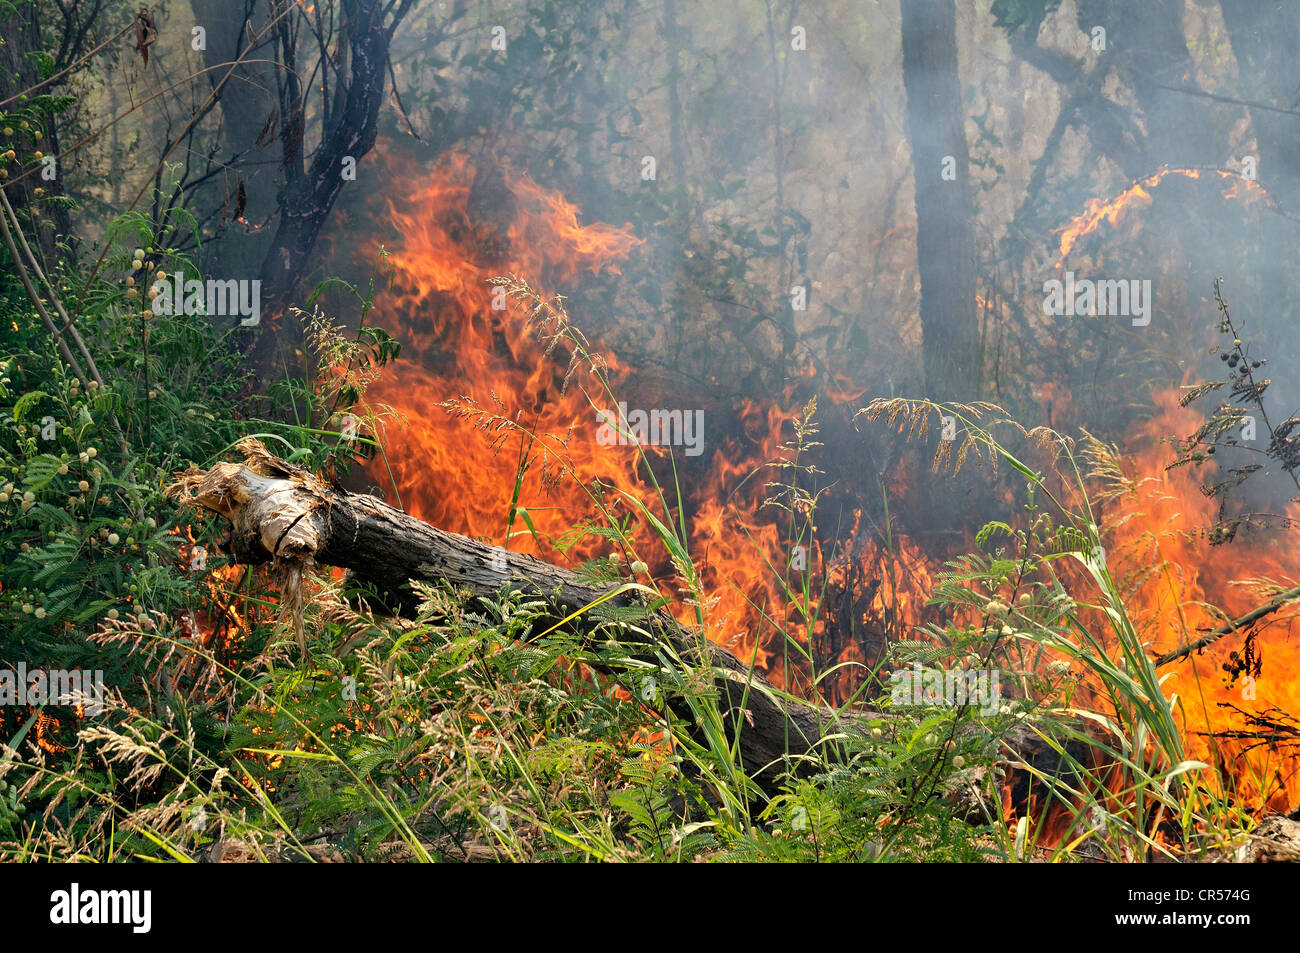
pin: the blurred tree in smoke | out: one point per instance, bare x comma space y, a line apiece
945, 239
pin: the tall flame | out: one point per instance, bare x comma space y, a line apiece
459, 344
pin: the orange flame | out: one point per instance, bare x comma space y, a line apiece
459, 344
1111, 210
1171, 607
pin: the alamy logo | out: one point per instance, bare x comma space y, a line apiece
660, 428
212, 297
1108, 297
53, 687
74, 906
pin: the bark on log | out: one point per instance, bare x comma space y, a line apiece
280, 511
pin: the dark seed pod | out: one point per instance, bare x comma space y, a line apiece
1223, 356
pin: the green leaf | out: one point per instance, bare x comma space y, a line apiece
41, 470
27, 402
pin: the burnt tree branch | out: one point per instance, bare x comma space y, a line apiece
1236, 625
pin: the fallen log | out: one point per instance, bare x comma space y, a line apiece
283, 513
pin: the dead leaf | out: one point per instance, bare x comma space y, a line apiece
146, 32
268, 127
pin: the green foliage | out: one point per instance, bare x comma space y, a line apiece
84, 528
1012, 15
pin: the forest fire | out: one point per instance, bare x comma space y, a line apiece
670, 433
463, 342
218, 623
1161, 523
458, 343
466, 342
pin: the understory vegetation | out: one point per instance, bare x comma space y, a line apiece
479, 729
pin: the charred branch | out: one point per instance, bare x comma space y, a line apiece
1241, 623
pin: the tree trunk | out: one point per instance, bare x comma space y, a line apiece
1266, 47
20, 37
249, 115
945, 234
945, 237
309, 193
